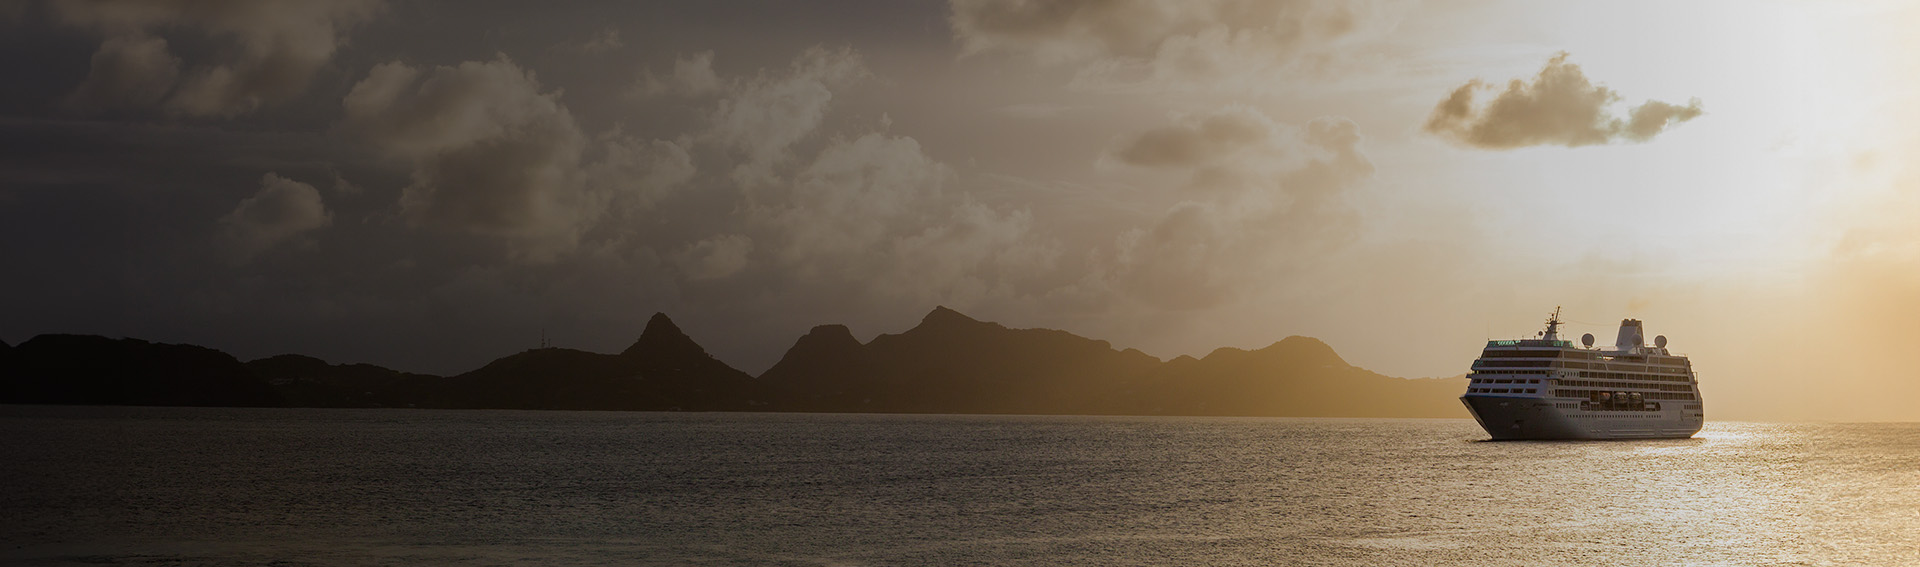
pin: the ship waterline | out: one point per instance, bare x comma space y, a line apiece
1547, 388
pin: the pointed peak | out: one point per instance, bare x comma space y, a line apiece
659, 323
662, 336
942, 315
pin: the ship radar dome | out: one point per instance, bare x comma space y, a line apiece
1660, 341
1587, 340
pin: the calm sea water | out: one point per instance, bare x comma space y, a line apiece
167, 486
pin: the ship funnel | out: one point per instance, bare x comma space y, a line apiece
1630, 336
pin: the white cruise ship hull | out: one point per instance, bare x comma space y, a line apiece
1518, 418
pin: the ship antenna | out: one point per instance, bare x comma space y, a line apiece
1553, 325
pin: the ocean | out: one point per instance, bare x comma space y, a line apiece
193, 486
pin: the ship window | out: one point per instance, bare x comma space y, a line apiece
1529, 390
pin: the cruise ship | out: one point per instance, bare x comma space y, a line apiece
1547, 388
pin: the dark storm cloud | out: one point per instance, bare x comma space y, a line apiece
833, 217
493, 152
1170, 44
1264, 198
1198, 139
474, 174
275, 46
1560, 107
470, 171
603, 41
763, 116
692, 76
129, 71
282, 209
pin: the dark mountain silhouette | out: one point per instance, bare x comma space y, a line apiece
948, 363
951, 363
1298, 376
829, 370
305, 381
86, 369
663, 370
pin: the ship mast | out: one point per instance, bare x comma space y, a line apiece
1553, 325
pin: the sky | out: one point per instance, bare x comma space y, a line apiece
430, 185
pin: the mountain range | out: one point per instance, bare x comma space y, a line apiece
948, 363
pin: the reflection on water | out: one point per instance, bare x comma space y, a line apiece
325, 487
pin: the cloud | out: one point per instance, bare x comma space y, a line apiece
282, 209
494, 153
1262, 199
1561, 107
129, 71
1167, 44
1199, 139
638, 172
692, 76
854, 197
605, 40
1654, 117
716, 257
762, 117
270, 52
491, 152
873, 221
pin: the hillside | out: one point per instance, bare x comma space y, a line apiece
948, 363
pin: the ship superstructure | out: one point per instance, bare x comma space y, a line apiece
1547, 388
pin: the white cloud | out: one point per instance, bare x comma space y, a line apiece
1561, 107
